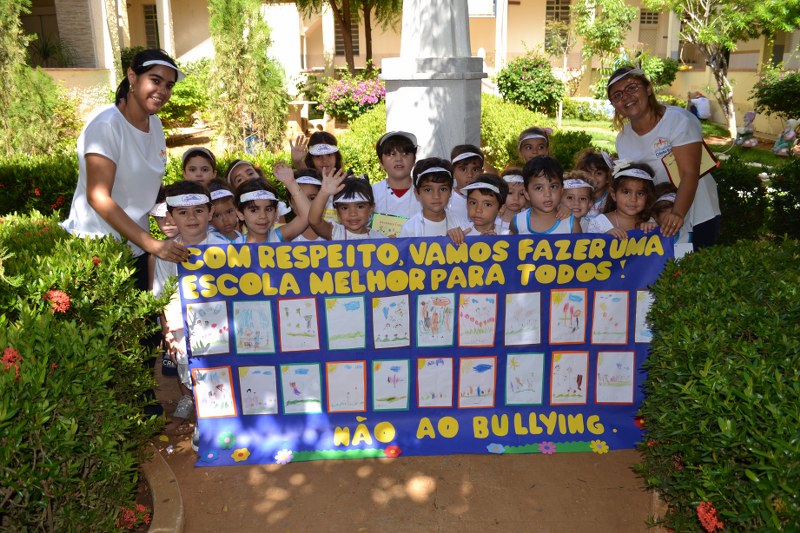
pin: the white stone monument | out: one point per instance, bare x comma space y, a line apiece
433, 89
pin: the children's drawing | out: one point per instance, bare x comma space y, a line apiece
347, 386
568, 378
299, 327
435, 382
346, 323
615, 377
642, 333
610, 317
477, 319
476, 383
213, 392
435, 319
567, 316
259, 389
523, 318
390, 385
390, 322
301, 388
208, 328
252, 327
524, 378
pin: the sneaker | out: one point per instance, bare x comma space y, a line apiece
168, 367
196, 439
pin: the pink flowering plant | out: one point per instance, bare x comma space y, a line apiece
350, 97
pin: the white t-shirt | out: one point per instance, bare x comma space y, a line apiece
458, 204
677, 127
388, 203
599, 224
140, 157
522, 222
500, 228
239, 239
340, 233
419, 226
302, 238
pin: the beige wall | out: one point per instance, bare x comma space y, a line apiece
90, 87
190, 26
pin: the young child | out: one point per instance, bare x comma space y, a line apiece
516, 200
224, 222
578, 195
310, 183
393, 196
189, 209
543, 178
257, 208
631, 197
241, 171
159, 213
665, 194
598, 165
354, 204
485, 196
467, 163
199, 165
533, 142
433, 185
323, 153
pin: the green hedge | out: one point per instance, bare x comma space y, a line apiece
743, 199
72, 380
37, 182
785, 184
501, 124
721, 410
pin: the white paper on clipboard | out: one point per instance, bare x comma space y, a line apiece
708, 162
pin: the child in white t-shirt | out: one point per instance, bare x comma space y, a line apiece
467, 163
631, 198
354, 204
310, 183
578, 195
396, 151
543, 177
485, 197
433, 185
224, 222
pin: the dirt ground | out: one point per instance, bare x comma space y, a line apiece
457, 493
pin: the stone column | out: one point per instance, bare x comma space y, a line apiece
166, 36
434, 88
328, 40
500, 34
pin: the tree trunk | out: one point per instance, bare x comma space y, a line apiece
343, 17
715, 59
367, 13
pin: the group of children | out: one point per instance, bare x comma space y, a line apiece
432, 197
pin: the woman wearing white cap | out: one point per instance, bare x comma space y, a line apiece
122, 155
652, 133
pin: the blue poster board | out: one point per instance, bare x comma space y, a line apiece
336, 350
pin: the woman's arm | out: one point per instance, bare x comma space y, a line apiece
100, 173
688, 160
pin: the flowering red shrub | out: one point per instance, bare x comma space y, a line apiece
59, 300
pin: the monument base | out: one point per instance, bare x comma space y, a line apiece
436, 99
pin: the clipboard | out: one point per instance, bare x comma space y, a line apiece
708, 162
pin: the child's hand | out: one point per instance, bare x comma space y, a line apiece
298, 148
648, 226
283, 172
332, 181
619, 233
457, 235
563, 212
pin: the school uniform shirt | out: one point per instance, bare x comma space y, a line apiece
419, 226
239, 239
302, 238
597, 207
458, 204
340, 233
388, 203
140, 158
522, 222
500, 228
677, 127
599, 224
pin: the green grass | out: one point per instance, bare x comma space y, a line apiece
603, 136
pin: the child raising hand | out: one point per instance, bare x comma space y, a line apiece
354, 204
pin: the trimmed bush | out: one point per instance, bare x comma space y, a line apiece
722, 420
72, 380
44, 183
744, 201
189, 97
501, 124
785, 185
565, 144
358, 143
529, 81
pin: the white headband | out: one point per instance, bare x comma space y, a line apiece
283, 209
222, 193
576, 184
669, 197
607, 159
466, 155
159, 210
430, 171
322, 149
187, 200
513, 178
195, 151
238, 163
634, 173
532, 136
256, 195
357, 197
308, 180
181, 75
612, 81
480, 185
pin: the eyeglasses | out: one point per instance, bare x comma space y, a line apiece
630, 89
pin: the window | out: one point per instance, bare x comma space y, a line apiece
340, 38
151, 26
556, 10
648, 18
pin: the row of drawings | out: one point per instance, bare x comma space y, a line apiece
529, 379
438, 320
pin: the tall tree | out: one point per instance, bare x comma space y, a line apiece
386, 14
716, 26
603, 25
247, 92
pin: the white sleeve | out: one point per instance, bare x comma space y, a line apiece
599, 224
100, 138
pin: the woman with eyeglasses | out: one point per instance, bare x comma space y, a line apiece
650, 132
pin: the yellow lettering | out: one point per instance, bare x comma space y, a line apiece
362, 435
546, 273
266, 257
384, 432
549, 421
636, 246
223, 288
597, 248
321, 285
579, 251
575, 423
425, 429
250, 283
448, 427
519, 429
565, 274
189, 284
500, 425
524, 249
480, 427
526, 271
208, 289
654, 246
500, 249
188, 264
563, 250
535, 429
289, 284
341, 436
543, 251
594, 426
